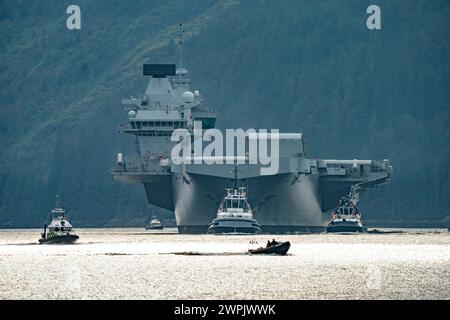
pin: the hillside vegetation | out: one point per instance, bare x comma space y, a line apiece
310, 66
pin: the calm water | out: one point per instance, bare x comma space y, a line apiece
135, 264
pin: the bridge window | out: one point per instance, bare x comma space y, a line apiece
207, 123
235, 203
178, 124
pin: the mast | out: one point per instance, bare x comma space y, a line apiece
58, 201
180, 48
243, 182
235, 177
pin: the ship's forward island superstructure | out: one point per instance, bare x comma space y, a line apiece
296, 198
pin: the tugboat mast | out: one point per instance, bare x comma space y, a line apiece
58, 201
235, 177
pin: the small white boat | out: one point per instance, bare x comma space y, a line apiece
154, 224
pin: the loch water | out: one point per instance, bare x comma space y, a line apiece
140, 264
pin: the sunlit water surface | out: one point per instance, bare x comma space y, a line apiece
139, 264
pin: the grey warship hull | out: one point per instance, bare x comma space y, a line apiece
276, 204
283, 203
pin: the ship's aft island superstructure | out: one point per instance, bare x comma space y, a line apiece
296, 198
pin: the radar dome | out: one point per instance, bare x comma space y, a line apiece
196, 93
188, 97
131, 114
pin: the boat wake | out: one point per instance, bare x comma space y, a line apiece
376, 231
193, 253
21, 244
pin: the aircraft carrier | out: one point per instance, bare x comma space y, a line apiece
295, 199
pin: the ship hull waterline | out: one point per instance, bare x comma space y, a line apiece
346, 228
233, 226
64, 239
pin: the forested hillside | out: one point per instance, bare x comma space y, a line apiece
310, 66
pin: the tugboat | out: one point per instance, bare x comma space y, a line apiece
234, 215
154, 224
346, 217
60, 229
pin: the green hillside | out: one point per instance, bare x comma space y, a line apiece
310, 66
